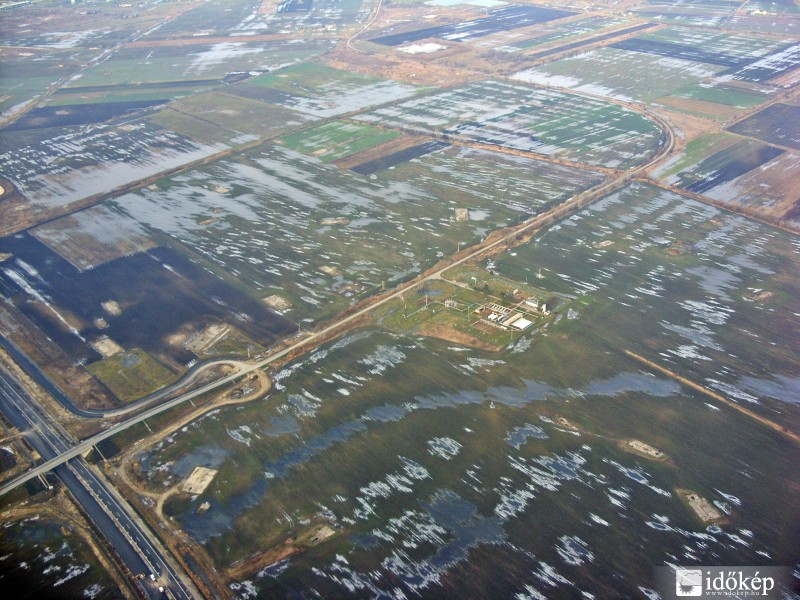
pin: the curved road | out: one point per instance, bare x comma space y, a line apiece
109, 513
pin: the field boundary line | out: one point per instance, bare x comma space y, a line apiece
716, 396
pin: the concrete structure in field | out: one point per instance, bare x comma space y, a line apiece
702, 507
462, 214
646, 449
199, 480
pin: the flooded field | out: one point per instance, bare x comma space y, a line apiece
410, 465
42, 559
738, 171
776, 124
690, 65
564, 31
534, 120
320, 91
722, 49
78, 114
203, 180
716, 282
151, 301
500, 19
75, 164
262, 218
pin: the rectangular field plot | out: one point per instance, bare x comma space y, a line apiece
776, 124
131, 375
322, 91
153, 300
620, 74
318, 237
522, 118
72, 115
493, 186
721, 49
564, 31
500, 19
28, 72
92, 237
189, 65
721, 94
397, 158
241, 18
698, 14
219, 117
724, 166
339, 139
75, 164
774, 66
729, 169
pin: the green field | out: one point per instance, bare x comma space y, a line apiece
131, 374
309, 79
694, 152
620, 74
218, 117
331, 141
722, 94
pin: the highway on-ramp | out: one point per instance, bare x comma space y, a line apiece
132, 543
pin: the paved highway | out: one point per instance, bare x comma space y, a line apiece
107, 511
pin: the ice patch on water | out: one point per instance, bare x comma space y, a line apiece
443, 447
72, 572
731, 391
598, 520
382, 359
617, 497
650, 594
730, 498
92, 591
573, 550
399, 481
244, 590
521, 345
243, 434
709, 311
519, 435
638, 475
530, 593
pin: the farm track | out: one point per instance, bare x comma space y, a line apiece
718, 397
